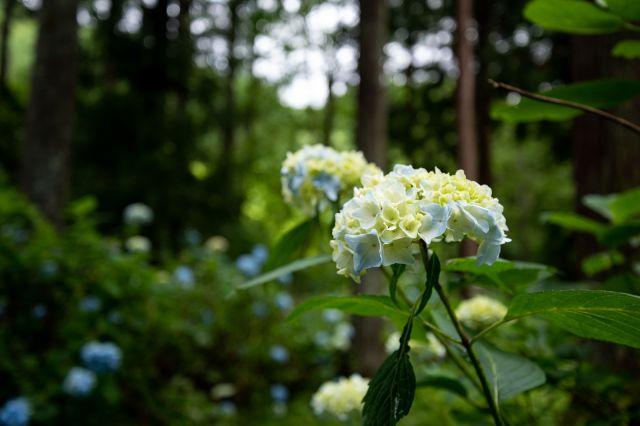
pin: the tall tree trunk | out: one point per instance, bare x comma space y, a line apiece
371, 135
605, 155
605, 159
483, 98
329, 112
466, 102
49, 122
4, 42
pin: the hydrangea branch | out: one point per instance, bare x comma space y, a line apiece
466, 343
548, 99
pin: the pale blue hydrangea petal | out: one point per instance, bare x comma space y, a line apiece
367, 212
366, 250
328, 184
488, 252
434, 222
398, 251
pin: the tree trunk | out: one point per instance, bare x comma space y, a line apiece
483, 98
371, 135
4, 43
329, 112
466, 103
49, 121
605, 155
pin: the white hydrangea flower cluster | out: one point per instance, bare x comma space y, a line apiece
431, 350
480, 311
315, 175
383, 220
341, 398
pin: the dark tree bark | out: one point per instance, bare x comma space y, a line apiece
605, 155
483, 99
371, 135
49, 122
329, 112
466, 93
466, 103
9, 6
371, 128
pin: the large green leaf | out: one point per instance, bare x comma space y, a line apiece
286, 269
572, 16
629, 10
289, 243
574, 222
392, 389
628, 49
594, 314
618, 208
508, 374
364, 305
597, 93
506, 275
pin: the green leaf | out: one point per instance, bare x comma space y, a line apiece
572, 16
629, 10
290, 242
391, 391
600, 262
597, 93
363, 305
298, 265
506, 275
398, 270
574, 222
445, 383
617, 235
508, 374
594, 314
433, 273
618, 208
628, 49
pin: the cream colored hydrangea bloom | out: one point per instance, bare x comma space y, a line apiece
316, 175
341, 398
380, 225
431, 350
480, 311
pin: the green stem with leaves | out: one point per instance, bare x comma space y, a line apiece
466, 342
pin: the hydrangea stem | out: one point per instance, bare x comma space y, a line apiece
466, 343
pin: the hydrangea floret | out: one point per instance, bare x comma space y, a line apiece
315, 176
341, 398
386, 218
480, 311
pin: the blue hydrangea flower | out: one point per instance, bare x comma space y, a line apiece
286, 278
192, 237
284, 301
49, 268
279, 354
227, 408
90, 304
101, 357
260, 309
39, 311
184, 276
207, 317
279, 392
15, 412
248, 265
79, 382
260, 253
328, 184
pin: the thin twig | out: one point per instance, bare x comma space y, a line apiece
606, 115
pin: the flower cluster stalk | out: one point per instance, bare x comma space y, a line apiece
466, 343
